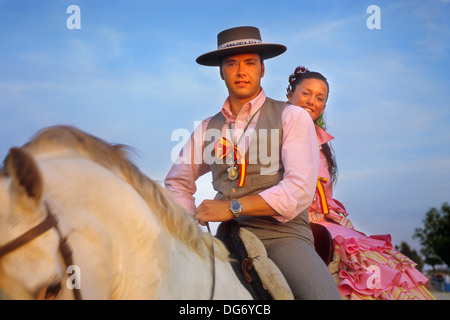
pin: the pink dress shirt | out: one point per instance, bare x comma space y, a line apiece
299, 154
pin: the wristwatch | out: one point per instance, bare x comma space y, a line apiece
236, 208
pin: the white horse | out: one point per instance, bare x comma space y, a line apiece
129, 240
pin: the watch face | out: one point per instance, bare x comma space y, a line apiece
235, 205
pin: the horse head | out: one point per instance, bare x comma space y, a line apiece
30, 267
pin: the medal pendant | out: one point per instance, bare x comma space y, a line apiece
232, 173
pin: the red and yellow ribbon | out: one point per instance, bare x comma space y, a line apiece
322, 199
325, 209
223, 147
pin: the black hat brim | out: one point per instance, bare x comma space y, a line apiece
265, 51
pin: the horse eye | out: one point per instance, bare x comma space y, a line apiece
52, 291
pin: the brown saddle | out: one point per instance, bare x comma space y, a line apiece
323, 242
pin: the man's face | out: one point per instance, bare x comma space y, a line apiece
242, 74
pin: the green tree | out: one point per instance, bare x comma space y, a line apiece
405, 249
435, 236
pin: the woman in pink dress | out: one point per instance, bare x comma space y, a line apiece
368, 266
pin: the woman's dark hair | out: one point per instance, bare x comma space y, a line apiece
300, 74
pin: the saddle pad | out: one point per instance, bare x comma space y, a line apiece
228, 233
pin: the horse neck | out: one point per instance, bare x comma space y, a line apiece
110, 228
114, 233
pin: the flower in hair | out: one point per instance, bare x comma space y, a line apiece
294, 76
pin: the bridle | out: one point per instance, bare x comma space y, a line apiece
48, 223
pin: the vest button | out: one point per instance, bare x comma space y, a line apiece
233, 190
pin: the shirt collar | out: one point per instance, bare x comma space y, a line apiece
249, 108
322, 136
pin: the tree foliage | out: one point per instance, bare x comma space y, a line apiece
434, 237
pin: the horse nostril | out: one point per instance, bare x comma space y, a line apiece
52, 291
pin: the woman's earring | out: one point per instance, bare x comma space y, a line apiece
320, 121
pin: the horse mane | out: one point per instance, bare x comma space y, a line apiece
174, 218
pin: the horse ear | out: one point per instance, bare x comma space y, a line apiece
25, 175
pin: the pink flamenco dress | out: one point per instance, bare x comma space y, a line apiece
366, 267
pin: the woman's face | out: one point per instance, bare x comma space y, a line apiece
311, 95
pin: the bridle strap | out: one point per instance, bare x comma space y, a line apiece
28, 236
48, 223
213, 264
66, 253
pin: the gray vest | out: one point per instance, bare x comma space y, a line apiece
265, 168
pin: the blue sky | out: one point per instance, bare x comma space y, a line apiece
129, 76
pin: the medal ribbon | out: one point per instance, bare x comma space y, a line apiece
322, 199
223, 147
325, 210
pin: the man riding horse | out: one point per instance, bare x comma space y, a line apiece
269, 199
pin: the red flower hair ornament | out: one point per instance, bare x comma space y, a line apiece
293, 77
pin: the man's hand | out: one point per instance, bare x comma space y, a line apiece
213, 210
219, 211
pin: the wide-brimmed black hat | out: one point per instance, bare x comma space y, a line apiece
240, 40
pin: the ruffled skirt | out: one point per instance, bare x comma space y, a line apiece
370, 268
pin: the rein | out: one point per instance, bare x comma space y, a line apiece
213, 263
48, 223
